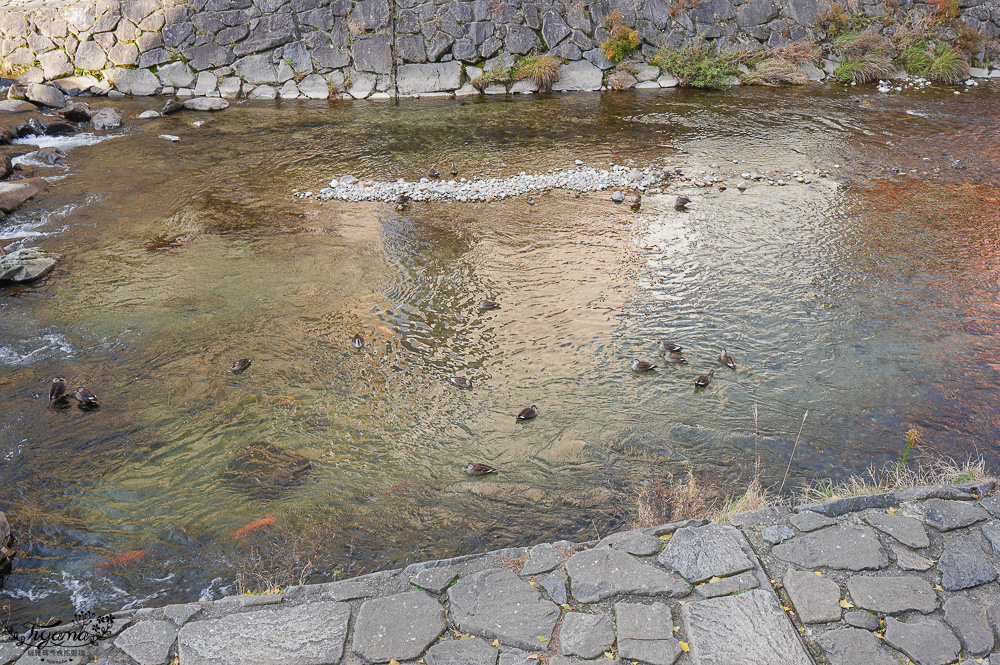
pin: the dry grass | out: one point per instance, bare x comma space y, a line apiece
620, 80
799, 52
775, 72
756, 496
659, 497
897, 476
10, 70
542, 70
271, 561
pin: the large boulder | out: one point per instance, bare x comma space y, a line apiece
14, 194
46, 95
133, 81
264, 470
16, 106
25, 265
205, 104
580, 75
106, 118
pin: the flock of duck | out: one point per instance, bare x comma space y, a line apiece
86, 399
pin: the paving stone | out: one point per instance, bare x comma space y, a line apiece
470, 651
633, 542
10, 651
816, 599
810, 521
728, 585
543, 558
947, 515
586, 635
672, 527
979, 487
847, 646
646, 633
963, 564
748, 628
906, 530
698, 553
909, 560
497, 604
318, 630
993, 619
759, 517
992, 504
843, 548
975, 637
852, 504
992, 532
892, 595
397, 627
777, 533
181, 612
927, 642
352, 589
517, 657
599, 574
435, 580
861, 619
148, 642
933, 492
556, 584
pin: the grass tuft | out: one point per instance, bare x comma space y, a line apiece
542, 70
799, 53
948, 65
699, 66
497, 76
866, 70
658, 497
775, 72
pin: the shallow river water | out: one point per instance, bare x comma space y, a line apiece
867, 298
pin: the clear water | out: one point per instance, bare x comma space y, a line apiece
867, 299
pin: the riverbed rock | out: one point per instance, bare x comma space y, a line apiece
6, 167
76, 112
24, 265
14, 194
205, 104
602, 573
497, 604
437, 77
106, 118
397, 627
318, 630
16, 106
46, 95
264, 470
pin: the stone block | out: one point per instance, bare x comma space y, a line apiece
603, 573
854, 647
975, 636
586, 635
372, 54
698, 553
646, 633
963, 564
470, 651
417, 79
906, 530
892, 595
816, 599
948, 515
843, 548
925, 642
397, 627
148, 642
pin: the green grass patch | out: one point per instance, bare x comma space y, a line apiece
699, 66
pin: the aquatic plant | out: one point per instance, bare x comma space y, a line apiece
775, 71
623, 39
542, 70
658, 497
699, 66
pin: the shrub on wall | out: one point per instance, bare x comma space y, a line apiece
623, 39
699, 66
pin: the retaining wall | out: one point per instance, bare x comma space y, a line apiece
379, 48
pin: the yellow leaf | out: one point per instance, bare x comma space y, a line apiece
846, 604
786, 608
684, 646
772, 582
496, 643
802, 629
715, 579
608, 654
819, 573
393, 661
531, 583
676, 628
891, 511
542, 639
938, 587
881, 636
681, 602
566, 606
534, 656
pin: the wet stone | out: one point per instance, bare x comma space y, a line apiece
892, 595
702, 552
497, 604
963, 564
861, 619
556, 584
264, 470
585, 635
10, 651
975, 637
434, 580
906, 530
646, 633
851, 504
397, 627
777, 533
543, 558
810, 521
854, 647
843, 548
947, 515
925, 642
908, 560
728, 585
599, 574
148, 642
759, 517
992, 532
633, 542
816, 599
748, 628
470, 651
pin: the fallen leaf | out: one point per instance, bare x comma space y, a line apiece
495, 643
531, 583
676, 628
786, 608
891, 511
566, 606
881, 636
802, 629
542, 639
819, 573
681, 602
684, 646
393, 661
846, 604
715, 579
938, 587
534, 656
608, 654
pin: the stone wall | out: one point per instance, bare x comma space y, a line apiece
377, 48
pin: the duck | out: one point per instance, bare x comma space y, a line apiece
357, 341
401, 201
642, 366
670, 347
488, 304
241, 364
727, 360
478, 469
634, 200
681, 203
453, 170
57, 390
86, 398
433, 173
529, 413
461, 381
675, 358
703, 380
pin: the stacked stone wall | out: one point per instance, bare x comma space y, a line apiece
379, 48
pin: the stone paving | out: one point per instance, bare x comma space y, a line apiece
891, 579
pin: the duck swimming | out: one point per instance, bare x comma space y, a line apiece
357, 341
682, 202
57, 391
461, 381
727, 360
675, 358
670, 347
86, 398
477, 469
434, 173
488, 304
453, 170
529, 413
241, 364
703, 380
642, 366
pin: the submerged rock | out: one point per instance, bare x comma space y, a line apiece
76, 112
205, 104
264, 470
14, 194
51, 155
26, 264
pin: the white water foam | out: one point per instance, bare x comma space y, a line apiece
31, 350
